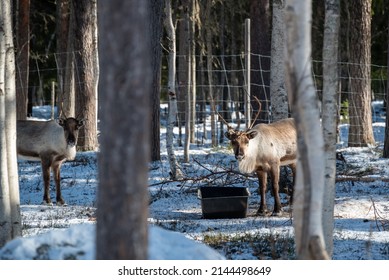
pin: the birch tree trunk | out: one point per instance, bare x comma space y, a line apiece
309, 187
68, 99
329, 115
5, 207
10, 218
172, 114
212, 102
194, 14
278, 95
126, 88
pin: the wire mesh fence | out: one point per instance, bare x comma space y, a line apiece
227, 81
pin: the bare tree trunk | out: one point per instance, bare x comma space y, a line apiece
23, 57
182, 82
62, 29
208, 39
156, 24
386, 140
194, 14
174, 166
67, 100
125, 151
361, 129
5, 207
10, 218
329, 115
278, 95
185, 72
260, 58
307, 204
87, 71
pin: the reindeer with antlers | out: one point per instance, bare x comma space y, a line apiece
263, 148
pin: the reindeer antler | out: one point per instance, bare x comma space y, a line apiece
224, 121
256, 116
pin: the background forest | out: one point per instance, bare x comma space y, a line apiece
228, 36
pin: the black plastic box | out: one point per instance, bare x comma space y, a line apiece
223, 202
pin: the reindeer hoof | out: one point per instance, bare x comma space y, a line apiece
262, 213
277, 214
47, 203
61, 202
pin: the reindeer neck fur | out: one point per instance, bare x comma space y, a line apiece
249, 163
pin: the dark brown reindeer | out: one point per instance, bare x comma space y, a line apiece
52, 143
263, 149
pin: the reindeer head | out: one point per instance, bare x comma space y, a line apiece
71, 128
240, 141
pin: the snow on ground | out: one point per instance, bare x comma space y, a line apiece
53, 232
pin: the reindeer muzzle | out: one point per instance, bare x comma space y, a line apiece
239, 157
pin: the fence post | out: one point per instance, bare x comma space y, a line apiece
52, 99
247, 52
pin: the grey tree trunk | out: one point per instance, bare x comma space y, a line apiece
23, 56
212, 101
67, 100
62, 30
329, 114
194, 15
361, 129
86, 71
10, 218
125, 150
278, 95
172, 117
307, 203
260, 58
386, 140
156, 24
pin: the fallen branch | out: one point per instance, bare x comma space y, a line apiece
361, 179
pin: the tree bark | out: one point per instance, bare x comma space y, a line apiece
67, 101
209, 48
329, 114
386, 139
361, 129
10, 218
62, 28
260, 58
307, 204
23, 57
278, 95
175, 171
86, 71
126, 89
156, 24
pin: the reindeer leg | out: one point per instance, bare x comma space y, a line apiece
57, 177
293, 166
45, 163
275, 174
262, 178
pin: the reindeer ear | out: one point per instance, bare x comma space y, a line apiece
80, 123
61, 121
252, 134
228, 135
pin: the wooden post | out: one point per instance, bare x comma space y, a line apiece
247, 60
52, 99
